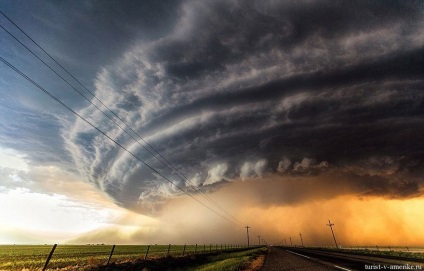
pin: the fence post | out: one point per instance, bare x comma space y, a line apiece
147, 252
49, 257
111, 253
169, 247
195, 250
184, 249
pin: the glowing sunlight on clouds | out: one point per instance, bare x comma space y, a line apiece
23, 209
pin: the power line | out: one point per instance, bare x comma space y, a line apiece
103, 133
167, 164
79, 82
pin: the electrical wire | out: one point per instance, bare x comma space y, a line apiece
168, 164
105, 134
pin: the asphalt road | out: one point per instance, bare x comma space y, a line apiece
298, 259
279, 259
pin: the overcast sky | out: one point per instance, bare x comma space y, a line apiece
287, 101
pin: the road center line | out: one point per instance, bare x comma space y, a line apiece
298, 254
342, 268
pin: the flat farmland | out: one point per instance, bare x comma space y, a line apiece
33, 257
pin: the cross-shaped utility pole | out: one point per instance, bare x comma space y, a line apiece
247, 229
331, 227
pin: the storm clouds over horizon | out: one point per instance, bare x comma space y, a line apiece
244, 91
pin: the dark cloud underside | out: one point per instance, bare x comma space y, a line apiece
231, 90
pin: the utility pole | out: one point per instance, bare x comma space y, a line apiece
300, 234
247, 229
259, 238
291, 242
331, 227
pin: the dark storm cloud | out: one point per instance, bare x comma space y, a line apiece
91, 33
238, 90
223, 32
407, 66
109, 26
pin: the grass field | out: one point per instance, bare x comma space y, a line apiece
33, 257
230, 261
404, 252
226, 261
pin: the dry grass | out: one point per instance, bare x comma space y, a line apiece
256, 264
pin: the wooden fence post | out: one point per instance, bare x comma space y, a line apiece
195, 250
49, 257
147, 252
110, 256
184, 249
169, 247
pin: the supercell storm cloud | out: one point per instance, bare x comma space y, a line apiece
242, 90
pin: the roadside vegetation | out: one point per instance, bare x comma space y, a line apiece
224, 261
95, 257
386, 253
231, 261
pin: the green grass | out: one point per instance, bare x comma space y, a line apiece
33, 257
230, 261
394, 253
227, 264
412, 255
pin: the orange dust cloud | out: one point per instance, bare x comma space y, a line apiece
277, 209
372, 221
